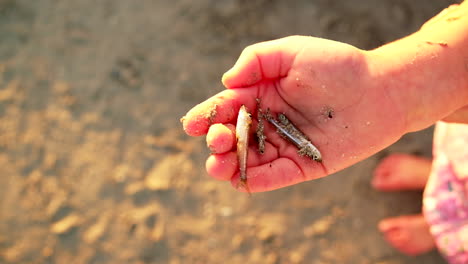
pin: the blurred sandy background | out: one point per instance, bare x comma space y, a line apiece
94, 164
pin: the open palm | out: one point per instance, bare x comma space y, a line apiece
329, 90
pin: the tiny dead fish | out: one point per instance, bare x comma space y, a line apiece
244, 121
288, 130
260, 128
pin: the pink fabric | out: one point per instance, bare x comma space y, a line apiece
445, 203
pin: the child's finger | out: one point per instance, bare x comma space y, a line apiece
222, 166
265, 60
279, 173
225, 166
221, 108
221, 138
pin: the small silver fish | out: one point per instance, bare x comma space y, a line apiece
244, 121
288, 130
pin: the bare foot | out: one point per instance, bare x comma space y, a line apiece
409, 234
401, 172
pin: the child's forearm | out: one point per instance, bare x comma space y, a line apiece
426, 73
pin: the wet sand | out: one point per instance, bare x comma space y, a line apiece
96, 168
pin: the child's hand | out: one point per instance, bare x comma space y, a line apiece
326, 88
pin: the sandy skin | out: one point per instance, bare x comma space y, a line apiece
351, 103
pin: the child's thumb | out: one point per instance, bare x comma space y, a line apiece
262, 61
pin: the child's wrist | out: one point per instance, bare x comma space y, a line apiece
426, 79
